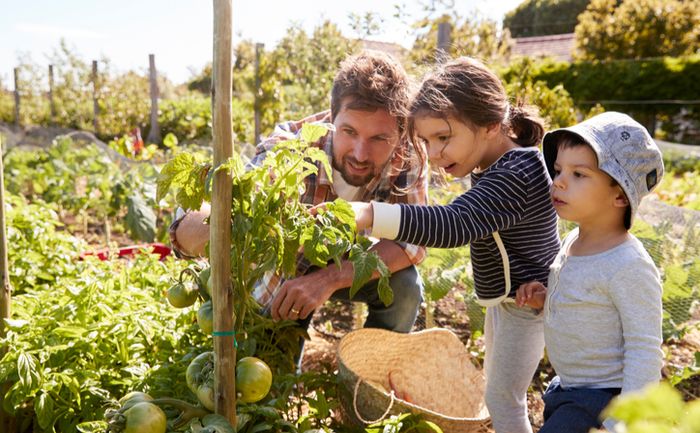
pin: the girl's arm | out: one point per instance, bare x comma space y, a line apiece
496, 202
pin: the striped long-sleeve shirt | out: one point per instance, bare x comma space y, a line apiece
512, 197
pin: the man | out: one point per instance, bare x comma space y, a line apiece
372, 159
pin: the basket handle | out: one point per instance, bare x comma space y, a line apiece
357, 413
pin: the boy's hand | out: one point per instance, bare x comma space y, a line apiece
531, 294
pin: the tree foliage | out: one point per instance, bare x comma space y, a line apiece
637, 29
544, 17
468, 37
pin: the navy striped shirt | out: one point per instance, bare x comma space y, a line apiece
511, 197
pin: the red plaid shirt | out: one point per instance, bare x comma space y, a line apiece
396, 184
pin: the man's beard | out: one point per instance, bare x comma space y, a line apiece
352, 180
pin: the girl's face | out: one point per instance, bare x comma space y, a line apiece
454, 146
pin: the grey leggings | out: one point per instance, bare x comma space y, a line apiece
514, 340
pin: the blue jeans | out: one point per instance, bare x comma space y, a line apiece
400, 316
574, 410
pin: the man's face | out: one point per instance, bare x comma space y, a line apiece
363, 142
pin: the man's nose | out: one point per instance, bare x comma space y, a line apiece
361, 150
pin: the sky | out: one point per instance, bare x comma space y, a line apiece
179, 32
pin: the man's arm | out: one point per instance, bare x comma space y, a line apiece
299, 297
191, 233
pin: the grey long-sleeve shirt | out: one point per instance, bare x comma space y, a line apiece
603, 318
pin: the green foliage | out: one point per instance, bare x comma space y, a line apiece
657, 409
40, 253
608, 84
306, 66
554, 102
79, 344
638, 29
269, 223
473, 37
544, 17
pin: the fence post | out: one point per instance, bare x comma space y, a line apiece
220, 219
154, 133
95, 107
7, 422
258, 52
52, 105
443, 42
17, 122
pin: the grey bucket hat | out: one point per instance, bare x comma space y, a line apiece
624, 149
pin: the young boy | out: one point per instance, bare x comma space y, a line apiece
602, 312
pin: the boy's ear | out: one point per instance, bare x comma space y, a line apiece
621, 199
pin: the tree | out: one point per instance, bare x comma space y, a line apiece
476, 38
544, 17
637, 29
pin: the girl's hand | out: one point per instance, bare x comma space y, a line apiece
531, 294
364, 214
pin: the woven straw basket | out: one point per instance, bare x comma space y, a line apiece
427, 372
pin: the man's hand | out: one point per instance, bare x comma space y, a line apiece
531, 294
300, 297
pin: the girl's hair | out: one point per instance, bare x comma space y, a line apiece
466, 89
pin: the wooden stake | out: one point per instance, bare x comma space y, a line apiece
443, 41
220, 220
7, 422
258, 52
17, 122
154, 133
52, 104
95, 107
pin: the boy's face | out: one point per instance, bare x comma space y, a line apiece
581, 192
363, 142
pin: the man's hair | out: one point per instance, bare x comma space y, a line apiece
369, 81
374, 80
569, 140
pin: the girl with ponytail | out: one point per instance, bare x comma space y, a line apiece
462, 117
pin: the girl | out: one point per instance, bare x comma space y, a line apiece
462, 115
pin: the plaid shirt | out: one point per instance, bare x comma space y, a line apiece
396, 184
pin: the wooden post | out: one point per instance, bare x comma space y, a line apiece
154, 133
7, 422
52, 104
258, 52
17, 122
220, 220
95, 107
443, 41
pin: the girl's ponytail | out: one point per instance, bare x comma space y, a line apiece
525, 123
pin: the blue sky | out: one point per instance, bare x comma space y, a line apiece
179, 32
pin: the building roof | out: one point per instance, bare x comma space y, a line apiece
561, 47
395, 50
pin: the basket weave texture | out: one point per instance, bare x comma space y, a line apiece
429, 371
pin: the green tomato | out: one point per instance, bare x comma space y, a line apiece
200, 379
145, 417
205, 318
182, 295
132, 398
253, 379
